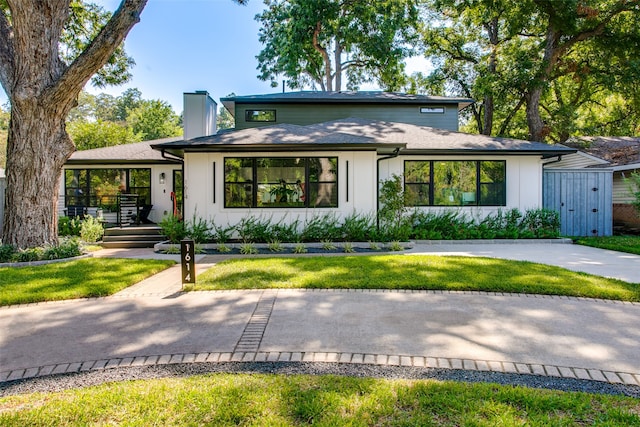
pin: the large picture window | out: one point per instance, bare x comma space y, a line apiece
294, 182
100, 187
455, 183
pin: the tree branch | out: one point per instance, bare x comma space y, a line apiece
7, 54
97, 53
324, 54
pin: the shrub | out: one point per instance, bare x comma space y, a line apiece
286, 232
68, 248
197, 229
248, 248
173, 227
68, 226
358, 227
300, 248
253, 229
541, 223
28, 255
275, 246
322, 227
328, 245
347, 247
447, 225
6, 252
91, 230
223, 248
220, 234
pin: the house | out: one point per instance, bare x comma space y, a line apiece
295, 155
622, 156
299, 154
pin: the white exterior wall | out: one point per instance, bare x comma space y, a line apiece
356, 188
524, 182
524, 185
160, 193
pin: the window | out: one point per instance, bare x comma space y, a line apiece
293, 182
431, 110
455, 183
100, 187
260, 115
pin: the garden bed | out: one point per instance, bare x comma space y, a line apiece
239, 248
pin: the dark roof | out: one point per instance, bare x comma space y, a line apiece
138, 152
617, 150
282, 137
362, 134
319, 97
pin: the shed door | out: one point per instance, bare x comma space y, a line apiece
583, 199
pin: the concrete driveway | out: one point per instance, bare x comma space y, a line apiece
153, 323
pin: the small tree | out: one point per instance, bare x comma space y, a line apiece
393, 220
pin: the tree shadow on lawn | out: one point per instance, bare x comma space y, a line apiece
415, 272
76, 279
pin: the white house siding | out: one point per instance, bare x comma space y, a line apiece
524, 182
160, 193
356, 189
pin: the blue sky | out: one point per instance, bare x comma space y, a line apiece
187, 45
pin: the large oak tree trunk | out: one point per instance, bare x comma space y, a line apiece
42, 89
38, 147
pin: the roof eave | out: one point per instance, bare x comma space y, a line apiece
228, 148
546, 154
119, 162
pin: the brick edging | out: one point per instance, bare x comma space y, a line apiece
314, 290
611, 377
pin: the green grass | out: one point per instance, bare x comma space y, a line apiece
278, 400
412, 272
629, 244
89, 277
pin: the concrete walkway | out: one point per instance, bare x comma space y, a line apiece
154, 323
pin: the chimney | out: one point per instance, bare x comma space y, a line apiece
199, 116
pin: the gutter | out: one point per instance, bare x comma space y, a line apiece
172, 158
392, 156
559, 159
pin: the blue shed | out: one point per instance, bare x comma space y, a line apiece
583, 197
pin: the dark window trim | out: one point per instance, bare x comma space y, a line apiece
254, 177
478, 182
87, 187
249, 117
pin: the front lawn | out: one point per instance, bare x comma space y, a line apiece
89, 277
412, 272
278, 400
629, 244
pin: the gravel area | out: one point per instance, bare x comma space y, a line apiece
55, 383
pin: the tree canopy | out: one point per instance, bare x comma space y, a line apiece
538, 69
322, 43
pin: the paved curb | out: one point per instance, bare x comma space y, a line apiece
624, 378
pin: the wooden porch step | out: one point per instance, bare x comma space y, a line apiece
129, 244
132, 237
